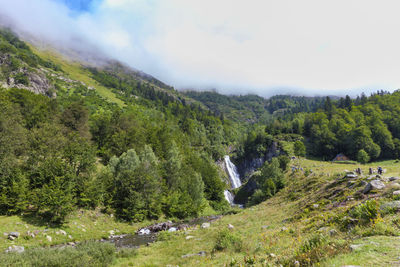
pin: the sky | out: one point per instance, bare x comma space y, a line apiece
267, 47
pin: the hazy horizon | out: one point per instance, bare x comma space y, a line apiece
259, 47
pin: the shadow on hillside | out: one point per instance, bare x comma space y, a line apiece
33, 219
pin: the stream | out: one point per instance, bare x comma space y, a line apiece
145, 236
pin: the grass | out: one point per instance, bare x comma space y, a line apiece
374, 251
283, 229
82, 225
296, 224
85, 254
77, 72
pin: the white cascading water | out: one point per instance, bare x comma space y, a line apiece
233, 173
233, 176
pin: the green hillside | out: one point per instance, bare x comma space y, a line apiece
91, 153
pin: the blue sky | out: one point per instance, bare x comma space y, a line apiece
78, 5
307, 47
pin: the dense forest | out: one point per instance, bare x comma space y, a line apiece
350, 126
156, 153
255, 109
153, 156
327, 126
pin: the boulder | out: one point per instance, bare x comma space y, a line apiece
396, 193
30, 234
205, 225
394, 185
374, 185
144, 231
355, 247
183, 227
391, 205
18, 249
172, 229
14, 234
189, 237
394, 179
63, 232
333, 232
157, 227
230, 226
49, 238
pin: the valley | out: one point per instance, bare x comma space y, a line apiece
93, 156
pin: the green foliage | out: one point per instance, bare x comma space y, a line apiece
283, 162
311, 243
227, 240
317, 248
268, 182
362, 156
299, 149
85, 254
365, 212
137, 185
21, 78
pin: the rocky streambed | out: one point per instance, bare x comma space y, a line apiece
148, 234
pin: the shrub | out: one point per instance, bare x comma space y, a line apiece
362, 156
299, 149
317, 248
283, 162
365, 212
228, 240
21, 78
258, 197
313, 242
85, 254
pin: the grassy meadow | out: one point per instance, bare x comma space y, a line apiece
306, 223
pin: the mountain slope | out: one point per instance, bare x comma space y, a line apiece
106, 125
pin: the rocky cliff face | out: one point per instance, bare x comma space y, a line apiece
248, 166
36, 80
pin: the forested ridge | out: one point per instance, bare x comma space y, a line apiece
71, 147
155, 154
327, 125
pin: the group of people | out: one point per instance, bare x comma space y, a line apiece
380, 170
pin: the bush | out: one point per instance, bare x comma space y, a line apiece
299, 149
258, 197
228, 240
283, 162
21, 78
365, 212
317, 248
313, 242
85, 254
362, 156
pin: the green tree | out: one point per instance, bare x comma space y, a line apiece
137, 192
299, 149
362, 156
283, 162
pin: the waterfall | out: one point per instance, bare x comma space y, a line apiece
233, 173
228, 196
233, 177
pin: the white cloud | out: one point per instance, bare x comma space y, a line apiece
310, 46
